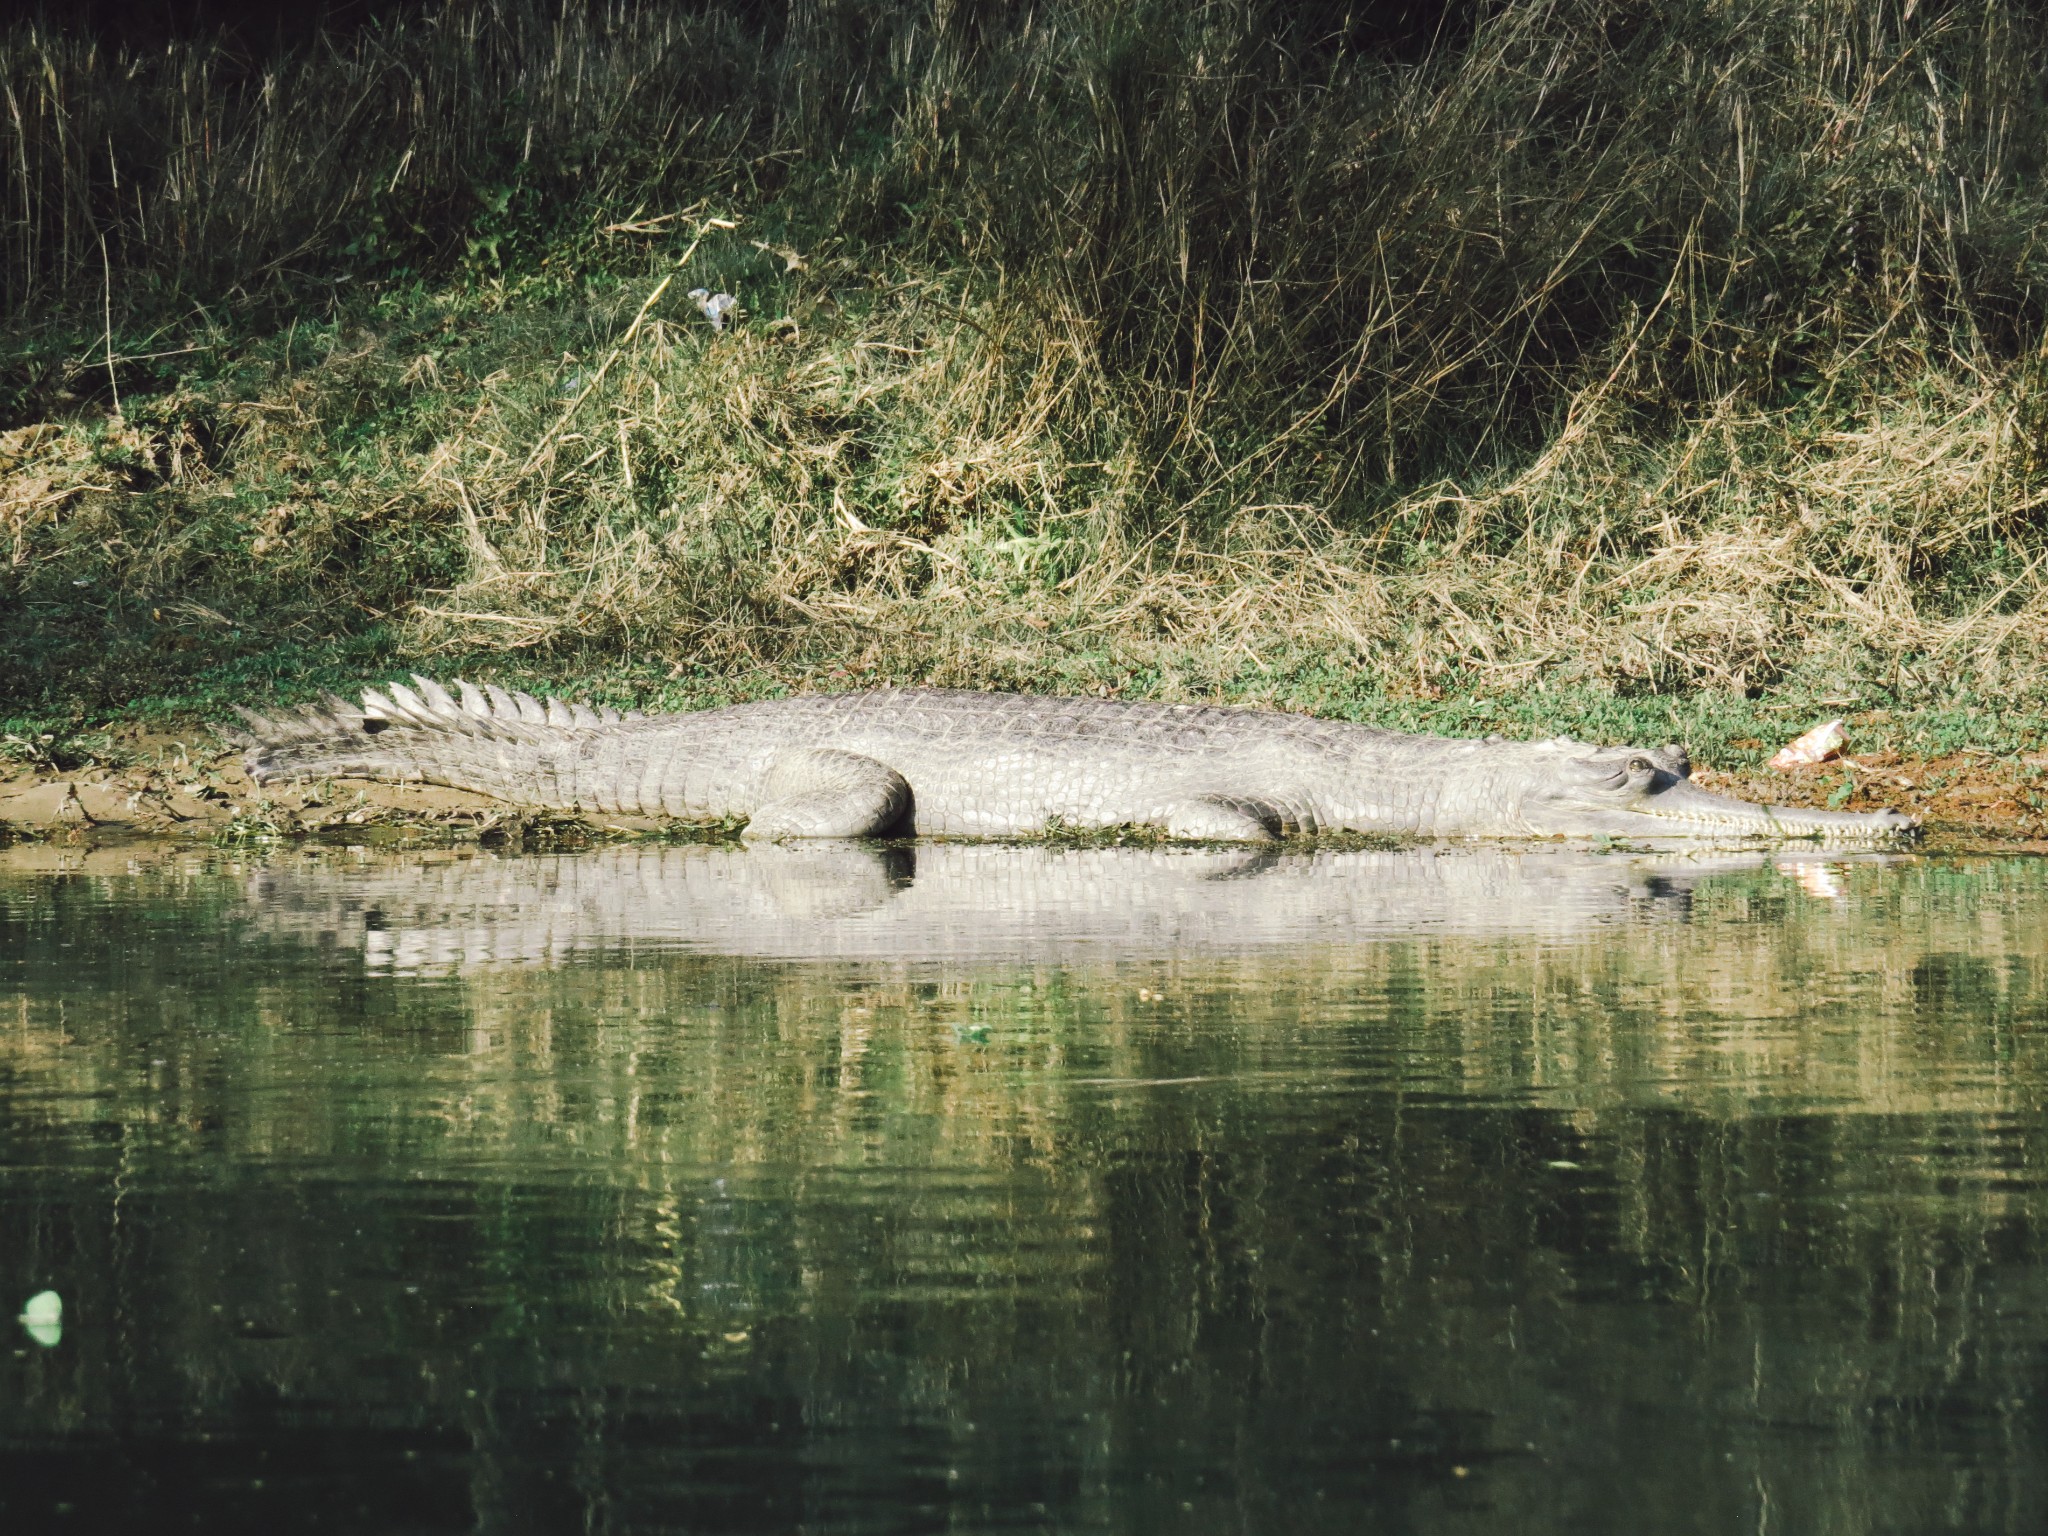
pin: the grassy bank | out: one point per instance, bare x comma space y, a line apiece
1634, 371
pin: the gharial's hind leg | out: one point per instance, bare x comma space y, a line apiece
822, 793
1225, 819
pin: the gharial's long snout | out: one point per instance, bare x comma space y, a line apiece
1682, 808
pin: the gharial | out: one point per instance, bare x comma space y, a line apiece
935, 761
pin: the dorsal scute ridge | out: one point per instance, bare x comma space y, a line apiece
261, 728
488, 711
501, 719
424, 704
415, 708
437, 697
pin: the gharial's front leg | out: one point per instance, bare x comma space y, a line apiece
818, 792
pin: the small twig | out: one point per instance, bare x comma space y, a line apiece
548, 438
107, 266
568, 411
633, 224
149, 357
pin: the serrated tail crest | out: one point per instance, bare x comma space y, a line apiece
415, 731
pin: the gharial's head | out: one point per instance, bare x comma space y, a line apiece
1576, 789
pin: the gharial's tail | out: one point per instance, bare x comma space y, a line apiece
499, 743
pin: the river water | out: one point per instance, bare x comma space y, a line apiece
975, 1188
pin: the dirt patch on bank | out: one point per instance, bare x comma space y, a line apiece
190, 785
186, 786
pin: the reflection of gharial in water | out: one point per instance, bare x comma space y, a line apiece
1731, 1178
1006, 765
969, 900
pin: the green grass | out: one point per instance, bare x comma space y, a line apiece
1634, 381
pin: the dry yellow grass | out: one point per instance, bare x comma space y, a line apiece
1726, 554
1176, 346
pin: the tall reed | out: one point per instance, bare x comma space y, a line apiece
1671, 344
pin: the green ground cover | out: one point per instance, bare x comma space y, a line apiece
1562, 366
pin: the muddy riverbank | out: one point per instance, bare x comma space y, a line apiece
191, 785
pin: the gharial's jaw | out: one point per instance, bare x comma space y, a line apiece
1680, 809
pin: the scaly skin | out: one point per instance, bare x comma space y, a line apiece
850, 900
930, 761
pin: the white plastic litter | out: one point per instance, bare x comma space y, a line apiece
1824, 741
715, 306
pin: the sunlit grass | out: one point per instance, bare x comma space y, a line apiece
1560, 375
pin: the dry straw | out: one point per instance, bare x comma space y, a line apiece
1578, 345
